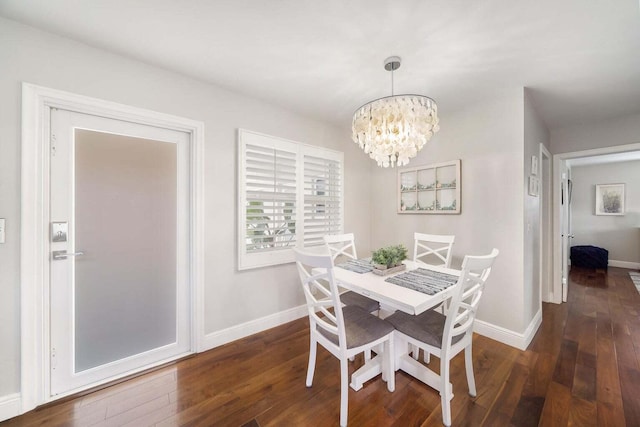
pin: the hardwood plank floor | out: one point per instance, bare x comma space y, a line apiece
581, 369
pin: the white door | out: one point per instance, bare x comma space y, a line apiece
566, 226
119, 285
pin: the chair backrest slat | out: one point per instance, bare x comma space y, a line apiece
341, 244
428, 246
466, 297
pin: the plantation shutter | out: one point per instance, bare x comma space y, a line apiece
322, 198
270, 198
289, 195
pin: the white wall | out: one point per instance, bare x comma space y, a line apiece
535, 133
606, 133
488, 138
620, 235
232, 298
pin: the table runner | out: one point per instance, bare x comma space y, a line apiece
359, 266
423, 280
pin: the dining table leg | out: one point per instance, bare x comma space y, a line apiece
369, 370
406, 363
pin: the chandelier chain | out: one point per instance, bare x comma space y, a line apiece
392, 93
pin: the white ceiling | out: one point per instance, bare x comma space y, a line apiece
323, 58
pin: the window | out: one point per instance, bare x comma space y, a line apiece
290, 195
322, 198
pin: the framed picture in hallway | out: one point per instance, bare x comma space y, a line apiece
609, 199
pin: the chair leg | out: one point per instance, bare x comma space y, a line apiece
445, 390
468, 361
401, 344
415, 351
344, 392
390, 364
313, 346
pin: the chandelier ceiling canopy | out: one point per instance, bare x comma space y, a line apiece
393, 129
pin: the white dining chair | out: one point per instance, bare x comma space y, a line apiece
344, 246
446, 336
343, 331
433, 249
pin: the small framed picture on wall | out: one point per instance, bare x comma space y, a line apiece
609, 199
534, 186
534, 165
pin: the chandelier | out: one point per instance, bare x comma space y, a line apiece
391, 130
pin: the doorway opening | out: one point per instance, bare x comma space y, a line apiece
562, 234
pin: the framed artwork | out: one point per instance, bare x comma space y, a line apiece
534, 186
534, 165
429, 189
609, 199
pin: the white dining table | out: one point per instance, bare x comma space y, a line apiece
394, 297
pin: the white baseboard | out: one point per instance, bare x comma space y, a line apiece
10, 406
506, 336
233, 333
624, 264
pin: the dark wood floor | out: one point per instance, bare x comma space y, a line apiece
582, 369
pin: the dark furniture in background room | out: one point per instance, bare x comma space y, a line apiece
589, 257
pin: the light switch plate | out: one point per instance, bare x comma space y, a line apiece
2, 223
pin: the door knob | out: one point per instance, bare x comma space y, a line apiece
58, 255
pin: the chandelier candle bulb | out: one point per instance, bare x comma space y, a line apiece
393, 129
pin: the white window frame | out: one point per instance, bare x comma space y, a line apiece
249, 260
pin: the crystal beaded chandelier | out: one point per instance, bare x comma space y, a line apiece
393, 129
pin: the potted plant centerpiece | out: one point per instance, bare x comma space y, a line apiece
389, 260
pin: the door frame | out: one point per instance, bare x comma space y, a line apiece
558, 160
546, 230
34, 264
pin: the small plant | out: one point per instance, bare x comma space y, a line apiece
389, 256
